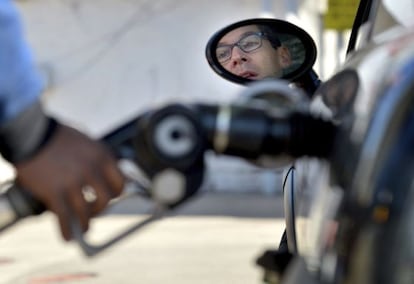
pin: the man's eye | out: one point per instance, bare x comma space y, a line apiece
222, 53
250, 43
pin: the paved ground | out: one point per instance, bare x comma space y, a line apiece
213, 239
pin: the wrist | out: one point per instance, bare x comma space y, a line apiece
24, 135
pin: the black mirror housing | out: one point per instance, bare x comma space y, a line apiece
298, 42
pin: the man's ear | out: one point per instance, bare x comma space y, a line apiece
285, 59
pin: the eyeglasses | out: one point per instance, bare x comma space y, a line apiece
247, 44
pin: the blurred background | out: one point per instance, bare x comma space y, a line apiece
105, 61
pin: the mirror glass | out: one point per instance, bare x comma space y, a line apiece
258, 49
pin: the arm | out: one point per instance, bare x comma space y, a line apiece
20, 87
17, 69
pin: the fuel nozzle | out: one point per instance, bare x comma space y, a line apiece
170, 143
254, 132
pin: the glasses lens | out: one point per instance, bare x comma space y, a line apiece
223, 53
250, 43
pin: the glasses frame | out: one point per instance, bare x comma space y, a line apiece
261, 36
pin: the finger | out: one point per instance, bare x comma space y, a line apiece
113, 176
99, 192
79, 209
59, 206
104, 168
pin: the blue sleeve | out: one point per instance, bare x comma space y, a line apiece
20, 82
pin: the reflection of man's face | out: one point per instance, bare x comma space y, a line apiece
260, 63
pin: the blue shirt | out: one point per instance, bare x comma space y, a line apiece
20, 82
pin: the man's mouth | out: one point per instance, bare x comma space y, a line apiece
248, 75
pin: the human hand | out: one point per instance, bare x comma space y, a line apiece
59, 173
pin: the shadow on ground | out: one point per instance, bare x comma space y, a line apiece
244, 205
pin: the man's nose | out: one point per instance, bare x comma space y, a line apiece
237, 56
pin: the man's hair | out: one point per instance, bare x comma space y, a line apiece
271, 35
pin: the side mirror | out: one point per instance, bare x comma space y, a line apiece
257, 49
